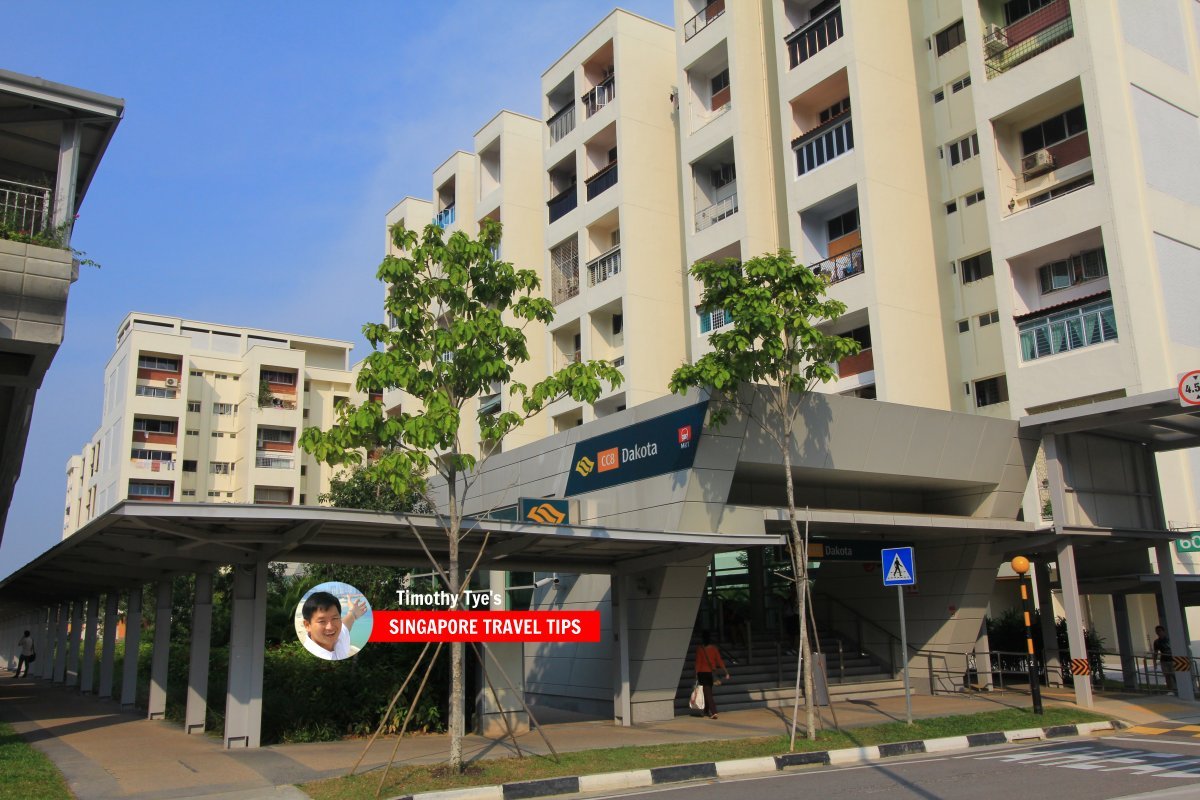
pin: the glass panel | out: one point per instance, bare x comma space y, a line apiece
1058, 337
1028, 351
1108, 323
1075, 327
1091, 329
1043, 341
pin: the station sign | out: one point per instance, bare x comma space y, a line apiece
642, 450
846, 549
546, 511
1191, 544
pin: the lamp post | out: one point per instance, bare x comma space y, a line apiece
1020, 565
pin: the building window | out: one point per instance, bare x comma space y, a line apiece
964, 325
973, 198
977, 267
189, 466
155, 391
274, 376
279, 435
843, 224
720, 81
167, 426
939, 96
951, 207
990, 391
196, 373
723, 175
151, 455
303, 499
861, 335
224, 409
218, 435
836, 110
220, 468
193, 433
194, 406
1053, 130
189, 492
950, 38
990, 318
143, 489
1079, 268
1017, 9
712, 320
308, 386
963, 149
825, 145
618, 323
214, 494
960, 84
161, 364
1060, 190
221, 376
1068, 330
303, 471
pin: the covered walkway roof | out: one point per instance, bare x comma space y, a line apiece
1156, 420
140, 542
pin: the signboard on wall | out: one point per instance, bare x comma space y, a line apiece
642, 450
1190, 544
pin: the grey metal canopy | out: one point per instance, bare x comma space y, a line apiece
1156, 420
139, 542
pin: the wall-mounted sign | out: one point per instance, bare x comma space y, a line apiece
848, 549
544, 510
1191, 544
643, 450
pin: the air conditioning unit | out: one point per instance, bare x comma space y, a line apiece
172, 382
995, 39
1036, 163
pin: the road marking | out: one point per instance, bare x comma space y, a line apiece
1106, 759
1130, 739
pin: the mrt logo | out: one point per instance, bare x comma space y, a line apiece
608, 459
685, 436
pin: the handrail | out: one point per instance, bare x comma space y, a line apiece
863, 618
828, 125
709, 12
568, 107
792, 40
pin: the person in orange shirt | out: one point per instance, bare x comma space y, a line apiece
708, 659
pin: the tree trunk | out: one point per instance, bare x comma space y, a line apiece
800, 560
457, 689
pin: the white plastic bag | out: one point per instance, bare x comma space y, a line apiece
696, 702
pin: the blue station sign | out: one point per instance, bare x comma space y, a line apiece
652, 447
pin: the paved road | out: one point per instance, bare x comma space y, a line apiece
1133, 764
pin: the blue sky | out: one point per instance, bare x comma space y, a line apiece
261, 147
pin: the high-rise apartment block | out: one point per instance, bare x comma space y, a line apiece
202, 413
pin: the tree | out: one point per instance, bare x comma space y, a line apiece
457, 317
775, 309
359, 488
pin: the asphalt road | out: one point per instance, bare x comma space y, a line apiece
1124, 765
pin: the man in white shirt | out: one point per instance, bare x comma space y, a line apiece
327, 632
26, 654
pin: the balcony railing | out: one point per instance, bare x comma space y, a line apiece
699, 22
279, 402
149, 465
564, 282
568, 358
25, 208
716, 212
601, 96
562, 122
564, 202
1073, 329
274, 463
823, 143
604, 266
606, 178
1027, 37
814, 36
444, 218
841, 267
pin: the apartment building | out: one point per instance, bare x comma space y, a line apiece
202, 413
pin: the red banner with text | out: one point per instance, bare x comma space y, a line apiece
486, 626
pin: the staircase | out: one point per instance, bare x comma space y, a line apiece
764, 675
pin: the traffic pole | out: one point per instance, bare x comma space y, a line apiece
1020, 565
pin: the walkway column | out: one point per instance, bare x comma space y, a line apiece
109, 647
60, 643
622, 691
133, 636
247, 638
1068, 577
45, 643
76, 633
1124, 640
197, 692
1045, 601
1174, 614
160, 655
88, 678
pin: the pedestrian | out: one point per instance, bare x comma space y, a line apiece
27, 654
708, 659
1162, 649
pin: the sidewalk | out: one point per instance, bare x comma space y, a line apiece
108, 753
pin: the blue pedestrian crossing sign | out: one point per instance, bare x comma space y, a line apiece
898, 568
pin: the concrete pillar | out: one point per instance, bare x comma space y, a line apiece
197, 693
60, 642
1068, 577
1125, 641
160, 656
1174, 616
1045, 602
622, 689
88, 678
247, 638
45, 643
109, 647
73, 640
133, 638
68, 173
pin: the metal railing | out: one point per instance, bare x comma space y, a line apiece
152, 465
569, 358
564, 282
25, 207
823, 143
600, 96
1025, 38
604, 266
562, 122
279, 402
606, 178
699, 22
266, 462
841, 267
814, 36
716, 212
564, 202
444, 218
871, 638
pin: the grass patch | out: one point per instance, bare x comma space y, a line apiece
410, 779
27, 774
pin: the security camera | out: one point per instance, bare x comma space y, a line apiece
553, 581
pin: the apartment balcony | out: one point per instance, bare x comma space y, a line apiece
823, 143
814, 36
444, 218
155, 437
280, 403
706, 218
840, 267
563, 203
25, 208
562, 123
699, 22
600, 96
270, 462
148, 465
568, 358
863, 361
1082, 326
1027, 37
606, 178
604, 266
274, 447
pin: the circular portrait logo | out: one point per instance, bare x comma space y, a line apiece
333, 620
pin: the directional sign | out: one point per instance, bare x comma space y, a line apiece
898, 568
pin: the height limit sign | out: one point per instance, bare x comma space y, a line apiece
898, 568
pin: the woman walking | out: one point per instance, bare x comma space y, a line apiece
708, 659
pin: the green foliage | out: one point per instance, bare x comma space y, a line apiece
28, 774
265, 398
777, 308
358, 488
56, 238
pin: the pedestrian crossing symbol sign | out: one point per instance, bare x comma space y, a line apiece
898, 568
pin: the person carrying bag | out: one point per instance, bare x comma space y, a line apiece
708, 657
